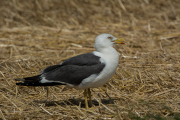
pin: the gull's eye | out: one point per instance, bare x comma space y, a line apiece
109, 37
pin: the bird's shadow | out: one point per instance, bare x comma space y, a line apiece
77, 102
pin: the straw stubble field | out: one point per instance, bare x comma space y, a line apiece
35, 34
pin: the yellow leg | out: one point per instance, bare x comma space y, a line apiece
89, 94
85, 98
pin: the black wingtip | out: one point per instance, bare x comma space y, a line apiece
34, 81
29, 83
26, 83
20, 83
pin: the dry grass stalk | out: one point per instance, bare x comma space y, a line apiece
37, 34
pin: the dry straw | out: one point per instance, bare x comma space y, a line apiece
36, 33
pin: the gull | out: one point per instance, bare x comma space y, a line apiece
85, 71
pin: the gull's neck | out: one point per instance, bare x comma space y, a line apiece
107, 50
109, 54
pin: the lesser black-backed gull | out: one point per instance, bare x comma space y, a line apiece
85, 71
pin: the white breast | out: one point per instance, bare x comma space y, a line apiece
111, 59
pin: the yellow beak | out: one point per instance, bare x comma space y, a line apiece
119, 41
